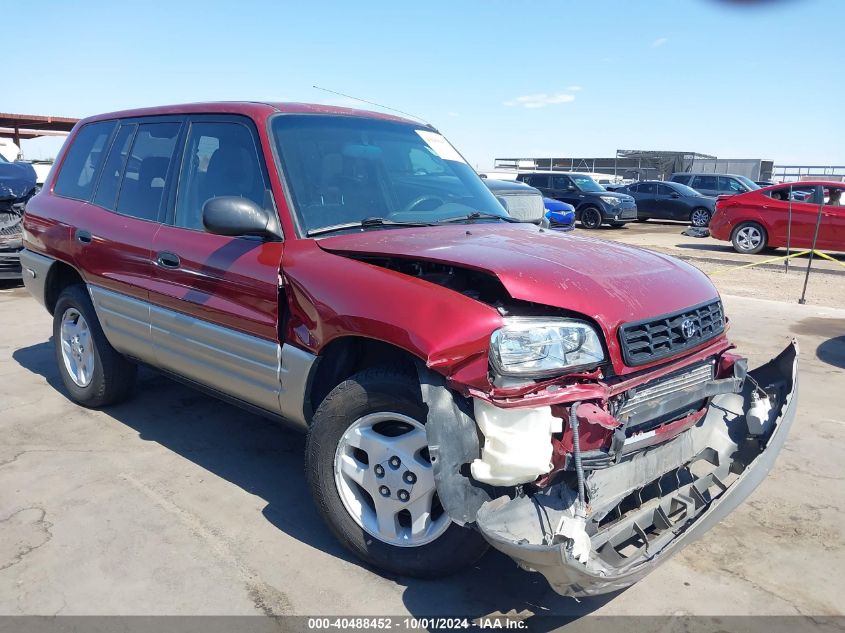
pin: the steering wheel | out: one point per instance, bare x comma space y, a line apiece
413, 204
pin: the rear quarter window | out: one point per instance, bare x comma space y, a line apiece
81, 166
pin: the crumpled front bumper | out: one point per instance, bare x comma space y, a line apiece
646, 508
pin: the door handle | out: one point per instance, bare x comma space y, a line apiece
168, 260
83, 236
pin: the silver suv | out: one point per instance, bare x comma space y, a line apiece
716, 184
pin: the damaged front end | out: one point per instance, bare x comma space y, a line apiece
593, 493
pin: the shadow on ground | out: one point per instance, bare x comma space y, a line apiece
266, 460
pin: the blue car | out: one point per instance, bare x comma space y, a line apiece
560, 214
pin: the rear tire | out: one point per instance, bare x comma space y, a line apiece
359, 491
591, 218
749, 238
93, 372
700, 217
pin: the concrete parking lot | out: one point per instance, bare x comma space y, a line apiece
175, 503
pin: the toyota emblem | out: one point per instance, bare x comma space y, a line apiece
689, 328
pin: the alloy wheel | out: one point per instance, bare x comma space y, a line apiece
386, 481
591, 218
77, 347
700, 217
749, 238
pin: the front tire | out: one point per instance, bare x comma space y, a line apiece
749, 238
371, 478
93, 372
591, 218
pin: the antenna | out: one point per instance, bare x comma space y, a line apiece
378, 105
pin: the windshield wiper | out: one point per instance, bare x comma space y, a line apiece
477, 215
365, 223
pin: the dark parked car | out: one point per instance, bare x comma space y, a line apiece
521, 201
715, 184
348, 273
594, 205
671, 201
775, 216
17, 186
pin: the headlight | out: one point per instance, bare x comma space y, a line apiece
534, 347
611, 200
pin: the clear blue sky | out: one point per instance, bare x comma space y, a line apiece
498, 77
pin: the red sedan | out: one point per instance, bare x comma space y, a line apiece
760, 219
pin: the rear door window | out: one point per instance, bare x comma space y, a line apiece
147, 165
221, 159
84, 158
538, 180
106, 195
709, 183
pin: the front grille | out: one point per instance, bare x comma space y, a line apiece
10, 222
528, 208
646, 341
629, 214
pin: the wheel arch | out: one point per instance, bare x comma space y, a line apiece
60, 276
347, 355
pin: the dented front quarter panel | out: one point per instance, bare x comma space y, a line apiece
523, 527
332, 297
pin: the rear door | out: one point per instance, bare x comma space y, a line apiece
215, 299
114, 232
541, 182
646, 200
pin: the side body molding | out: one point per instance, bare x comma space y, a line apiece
257, 371
125, 321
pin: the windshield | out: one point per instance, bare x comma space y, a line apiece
344, 170
585, 183
748, 183
685, 191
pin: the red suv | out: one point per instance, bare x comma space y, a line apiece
782, 214
464, 378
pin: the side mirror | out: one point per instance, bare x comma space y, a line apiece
502, 201
236, 216
571, 188
675, 194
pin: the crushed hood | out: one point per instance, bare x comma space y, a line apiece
610, 282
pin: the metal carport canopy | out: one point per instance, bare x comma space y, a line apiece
24, 126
